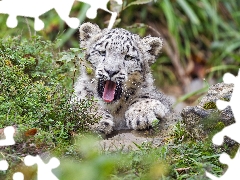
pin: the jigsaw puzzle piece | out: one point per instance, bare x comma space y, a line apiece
119, 2
8, 132
38, 24
63, 10
3, 165
95, 5
229, 78
26, 8
12, 21
234, 102
44, 170
112, 20
100, 4
232, 131
5, 9
224, 159
221, 105
212, 177
36, 8
233, 172
18, 176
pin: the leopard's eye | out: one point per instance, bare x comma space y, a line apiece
102, 53
128, 58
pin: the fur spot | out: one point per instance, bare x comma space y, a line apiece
118, 109
138, 122
129, 122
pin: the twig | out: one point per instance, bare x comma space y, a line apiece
181, 170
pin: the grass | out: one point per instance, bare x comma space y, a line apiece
183, 159
206, 31
35, 93
37, 81
36, 89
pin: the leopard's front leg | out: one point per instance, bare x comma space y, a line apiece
105, 125
143, 113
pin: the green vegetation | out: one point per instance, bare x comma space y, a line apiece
201, 40
184, 160
36, 87
35, 94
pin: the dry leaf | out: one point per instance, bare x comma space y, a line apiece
31, 132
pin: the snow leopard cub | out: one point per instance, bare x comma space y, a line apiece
121, 78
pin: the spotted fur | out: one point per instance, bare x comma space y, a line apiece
123, 58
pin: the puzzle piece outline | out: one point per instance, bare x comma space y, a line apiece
8, 141
18, 176
232, 172
40, 7
8, 133
231, 131
3, 165
92, 11
37, 8
44, 170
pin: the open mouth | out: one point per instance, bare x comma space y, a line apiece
109, 90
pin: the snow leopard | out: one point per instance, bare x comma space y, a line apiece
120, 78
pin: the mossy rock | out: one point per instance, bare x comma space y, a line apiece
204, 118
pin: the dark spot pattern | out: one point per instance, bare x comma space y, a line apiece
138, 122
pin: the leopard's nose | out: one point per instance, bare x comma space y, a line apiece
111, 73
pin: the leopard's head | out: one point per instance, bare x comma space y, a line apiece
119, 58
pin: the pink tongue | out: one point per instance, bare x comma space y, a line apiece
109, 91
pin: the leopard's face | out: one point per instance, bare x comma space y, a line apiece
118, 59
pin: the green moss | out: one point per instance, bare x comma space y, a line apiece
219, 126
89, 70
210, 105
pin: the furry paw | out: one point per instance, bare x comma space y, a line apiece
142, 114
105, 126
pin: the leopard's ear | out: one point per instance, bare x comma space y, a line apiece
154, 46
87, 32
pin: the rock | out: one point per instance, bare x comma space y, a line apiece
127, 140
205, 118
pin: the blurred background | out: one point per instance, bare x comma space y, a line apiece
201, 38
